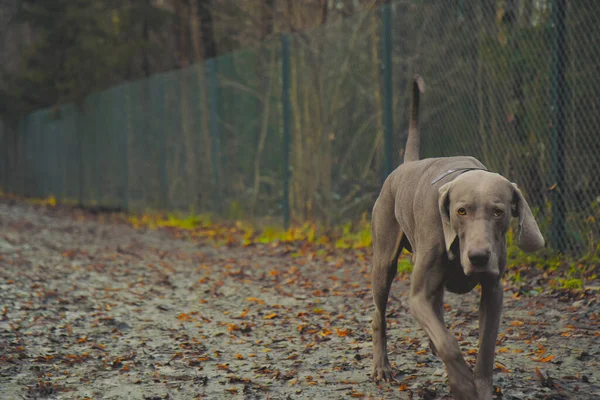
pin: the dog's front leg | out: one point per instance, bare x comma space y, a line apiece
490, 309
426, 284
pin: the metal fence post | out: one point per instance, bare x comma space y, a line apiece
163, 132
285, 99
386, 75
559, 94
215, 136
79, 137
125, 161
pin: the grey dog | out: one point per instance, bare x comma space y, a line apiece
453, 215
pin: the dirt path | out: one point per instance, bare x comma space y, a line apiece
100, 310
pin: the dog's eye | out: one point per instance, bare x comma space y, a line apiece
498, 212
461, 211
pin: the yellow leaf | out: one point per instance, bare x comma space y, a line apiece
271, 316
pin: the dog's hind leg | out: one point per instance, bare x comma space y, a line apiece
387, 244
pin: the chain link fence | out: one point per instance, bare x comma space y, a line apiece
516, 85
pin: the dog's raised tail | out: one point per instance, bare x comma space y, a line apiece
413, 143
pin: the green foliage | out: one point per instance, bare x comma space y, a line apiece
235, 211
405, 265
355, 235
571, 284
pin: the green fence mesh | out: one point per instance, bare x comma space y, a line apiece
211, 137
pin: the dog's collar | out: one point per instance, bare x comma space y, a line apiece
451, 171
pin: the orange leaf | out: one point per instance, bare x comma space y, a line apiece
546, 359
244, 313
271, 316
501, 367
342, 332
517, 323
184, 317
403, 387
223, 367
239, 356
255, 300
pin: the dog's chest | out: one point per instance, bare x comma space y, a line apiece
456, 280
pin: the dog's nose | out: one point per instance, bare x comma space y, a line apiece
479, 257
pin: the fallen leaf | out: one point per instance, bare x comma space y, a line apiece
546, 359
342, 332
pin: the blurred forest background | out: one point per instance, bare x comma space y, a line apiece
61, 51
172, 104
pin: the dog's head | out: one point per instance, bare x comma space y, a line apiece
476, 208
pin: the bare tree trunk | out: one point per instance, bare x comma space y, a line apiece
199, 57
481, 90
204, 13
266, 70
325, 129
264, 130
375, 58
182, 34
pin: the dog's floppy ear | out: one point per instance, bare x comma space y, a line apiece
529, 237
444, 204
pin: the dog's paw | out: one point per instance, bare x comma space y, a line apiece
382, 371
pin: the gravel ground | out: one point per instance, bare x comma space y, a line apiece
96, 309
